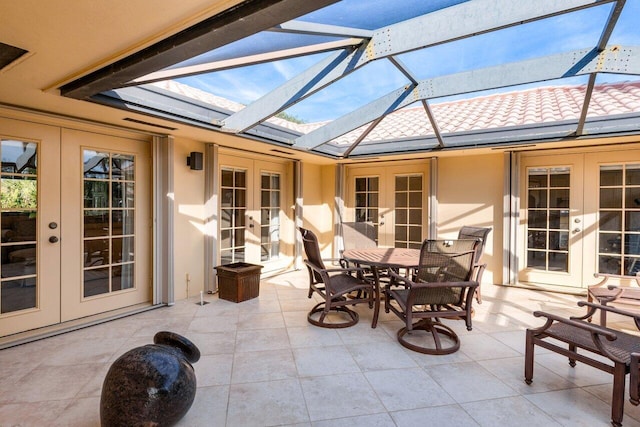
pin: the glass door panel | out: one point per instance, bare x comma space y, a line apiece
552, 225
270, 208
548, 195
392, 198
233, 203
408, 211
29, 217
254, 225
108, 226
619, 219
106, 206
18, 213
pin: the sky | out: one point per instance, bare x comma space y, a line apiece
558, 34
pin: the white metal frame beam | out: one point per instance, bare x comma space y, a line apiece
446, 25
614, 59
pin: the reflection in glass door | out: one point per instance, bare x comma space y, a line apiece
270, 216
18, 212
548, 192
233, 203
108, 236
619, 219
408, 211
367, 199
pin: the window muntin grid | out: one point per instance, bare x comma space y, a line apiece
270, 200
233, 197
367, 197
408, 211
619, 219
548, 201
18, 213
108, 222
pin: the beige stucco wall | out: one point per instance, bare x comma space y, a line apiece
318, 194
188, 222
470, 192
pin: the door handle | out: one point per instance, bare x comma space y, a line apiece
53, 239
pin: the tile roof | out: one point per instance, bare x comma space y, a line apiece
508, 109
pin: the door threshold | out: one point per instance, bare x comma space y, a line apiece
73, 325
550, 288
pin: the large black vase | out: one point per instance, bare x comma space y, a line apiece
152, 385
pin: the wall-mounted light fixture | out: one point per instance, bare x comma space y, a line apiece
195, 161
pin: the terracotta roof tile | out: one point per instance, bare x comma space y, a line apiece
531, 106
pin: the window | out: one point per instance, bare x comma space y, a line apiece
270, 216
408, 199
548, 192
108, 222
18, 212
619, 219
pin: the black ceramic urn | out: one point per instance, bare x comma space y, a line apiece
151, 385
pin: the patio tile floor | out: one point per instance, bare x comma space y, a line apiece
263, 364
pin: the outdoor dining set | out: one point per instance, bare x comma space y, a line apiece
440, 281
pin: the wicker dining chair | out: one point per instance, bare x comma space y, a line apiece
334, 285
442, 288
469, 232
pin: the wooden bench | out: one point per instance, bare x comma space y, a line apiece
585, 342
603, 293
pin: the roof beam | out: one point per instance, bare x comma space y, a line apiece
585, 104
363, 115
321, 74
235, 23
309, 28
452, 23
260, 58
614, 59
602, 43
434, 123
611, 24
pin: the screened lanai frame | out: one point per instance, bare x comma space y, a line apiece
386, 75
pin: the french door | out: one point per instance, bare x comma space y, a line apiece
552, 220
580, 215
76, 224
255, 226
106, 208
393, 198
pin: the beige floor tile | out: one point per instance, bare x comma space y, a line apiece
266, 403
213, 370
256, 366
311, 336
573, 407
469, 382
321, 361
348, 395
401, 389
450, 416
250, 320
376, 420
384, 355
511, 372
260, 340
263, 364
508, 411
209, 408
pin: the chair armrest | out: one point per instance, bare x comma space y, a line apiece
334, 270
589, 327
592, 307
605, 277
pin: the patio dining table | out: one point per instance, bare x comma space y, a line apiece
380, 259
